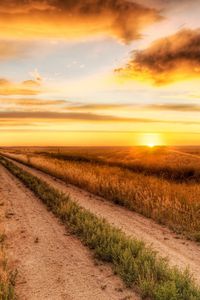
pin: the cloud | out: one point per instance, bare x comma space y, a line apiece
4, 82
69, 116
84, 117
14, 49
123, 19
11, 123
32, 102
76, 109
167, 4
36, 75
167, 60
135, 107
96, 106
31, 83
175, 107
28, 87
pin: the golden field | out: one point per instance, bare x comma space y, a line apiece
137, 178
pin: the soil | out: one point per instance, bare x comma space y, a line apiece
51, 263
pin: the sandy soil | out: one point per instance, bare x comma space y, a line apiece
51, 263
180, 252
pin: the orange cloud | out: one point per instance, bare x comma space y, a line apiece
28, 87
123, 19
15, 123
169, 59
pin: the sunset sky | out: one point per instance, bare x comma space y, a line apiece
99, 72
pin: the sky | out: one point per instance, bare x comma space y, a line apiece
99, 72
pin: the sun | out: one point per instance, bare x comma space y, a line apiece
151, 145
151, 140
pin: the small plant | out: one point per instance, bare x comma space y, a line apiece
2, 238
7, 277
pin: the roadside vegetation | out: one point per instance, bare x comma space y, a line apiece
172, 204
136, 264
7, 277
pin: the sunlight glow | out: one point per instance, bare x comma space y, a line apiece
151, 140
151, 145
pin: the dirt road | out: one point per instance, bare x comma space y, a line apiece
185, 154
180, 252
51, 263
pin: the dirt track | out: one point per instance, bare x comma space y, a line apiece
180, 252
186, 154
51, 263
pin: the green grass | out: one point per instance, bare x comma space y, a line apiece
136, 264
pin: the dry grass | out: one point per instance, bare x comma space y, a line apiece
136, 264
173, 204
7, 277
171, 164
180, 164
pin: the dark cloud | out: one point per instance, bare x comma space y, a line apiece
123, 19
169, 59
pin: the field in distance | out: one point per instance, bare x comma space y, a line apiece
161, 183
156, 160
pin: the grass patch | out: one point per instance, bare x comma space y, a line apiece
135, 263
7, 277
